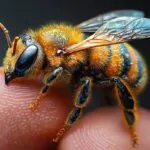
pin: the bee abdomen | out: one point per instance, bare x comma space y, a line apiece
126, 62
120, 60
100, 57
137, 74
115, 67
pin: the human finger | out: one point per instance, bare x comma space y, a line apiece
21, 128
104, 130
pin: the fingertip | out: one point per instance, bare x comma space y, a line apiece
18, 123
103, 130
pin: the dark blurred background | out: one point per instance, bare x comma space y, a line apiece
18, 15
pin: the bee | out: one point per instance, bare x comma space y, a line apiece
94, 52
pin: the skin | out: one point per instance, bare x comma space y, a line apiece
23, 129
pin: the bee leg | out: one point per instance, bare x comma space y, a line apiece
48, 81
80, 102
127, 103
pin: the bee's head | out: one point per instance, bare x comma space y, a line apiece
22, 58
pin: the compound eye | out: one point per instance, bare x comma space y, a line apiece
26, 59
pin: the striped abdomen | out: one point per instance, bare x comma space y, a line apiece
120, 60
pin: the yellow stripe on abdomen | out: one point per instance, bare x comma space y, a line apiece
99, 57
115, 65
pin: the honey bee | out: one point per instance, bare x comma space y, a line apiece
94, 52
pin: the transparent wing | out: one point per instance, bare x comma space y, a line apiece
93, 24
118, 30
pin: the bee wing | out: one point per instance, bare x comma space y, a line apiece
93, 24
118, 30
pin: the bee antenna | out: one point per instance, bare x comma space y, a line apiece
6, 32
15, 44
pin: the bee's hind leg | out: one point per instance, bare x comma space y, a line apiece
128, 104
48, 81
80, 102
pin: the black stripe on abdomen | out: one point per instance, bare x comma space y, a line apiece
126, 64
108, 57
140, 73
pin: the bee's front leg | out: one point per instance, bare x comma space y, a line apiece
80, 102
49, 79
